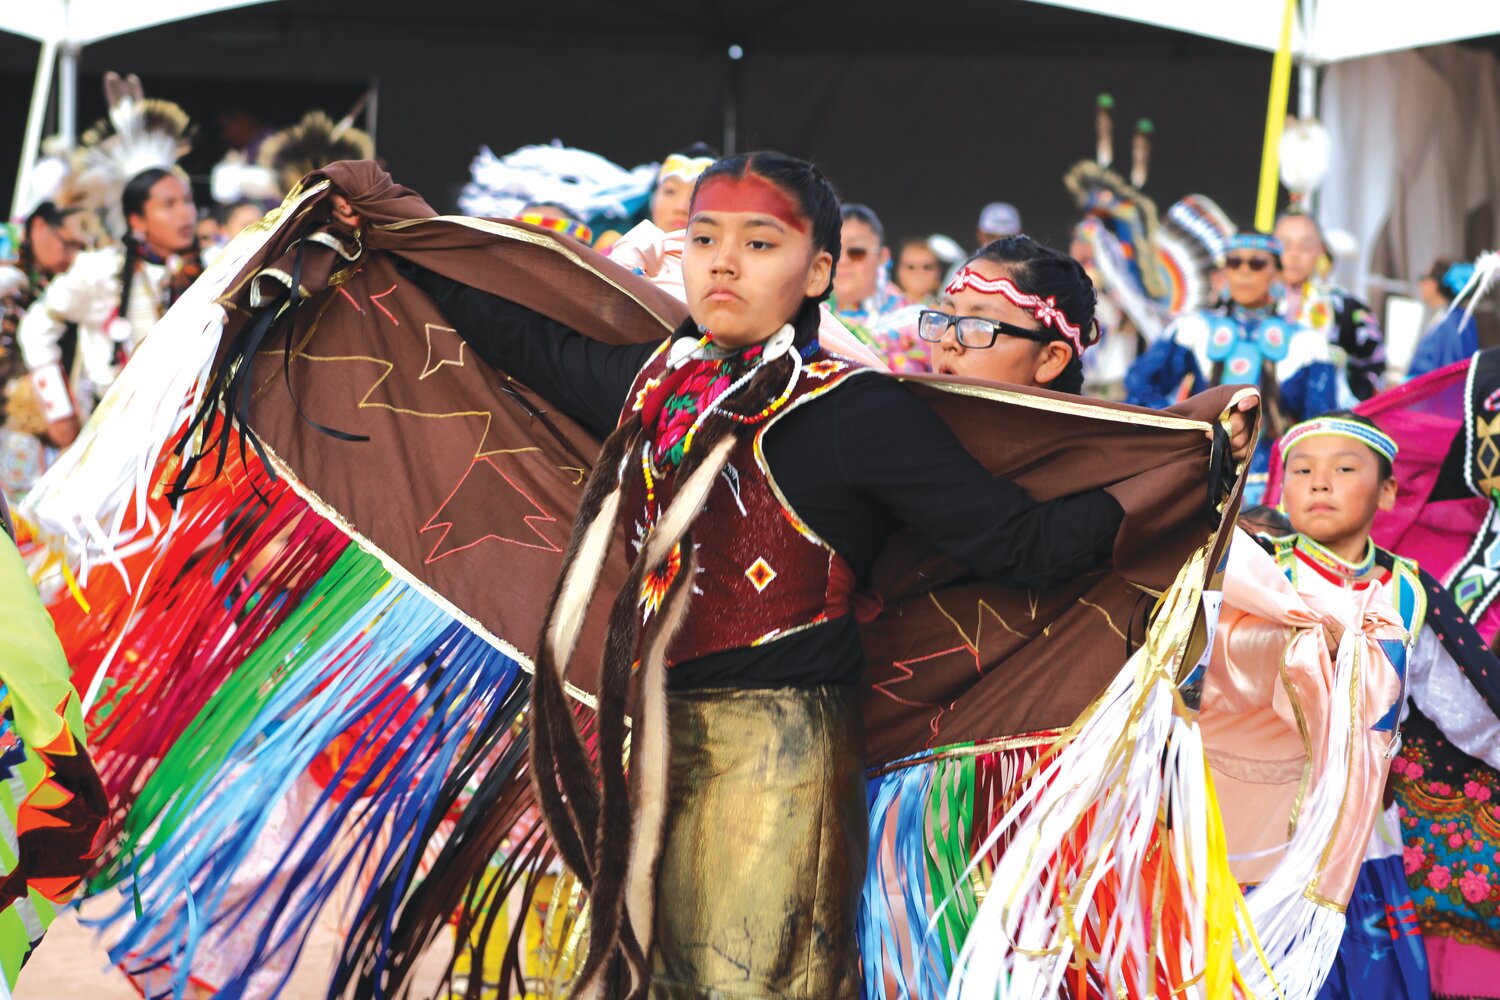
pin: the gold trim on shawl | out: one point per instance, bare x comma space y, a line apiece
535, 239
1307, 748
1080, 408
1356, 724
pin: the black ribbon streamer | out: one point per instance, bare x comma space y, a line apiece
1221, 475
232, 385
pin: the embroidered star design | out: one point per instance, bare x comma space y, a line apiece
441, 349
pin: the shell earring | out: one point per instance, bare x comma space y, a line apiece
779, 343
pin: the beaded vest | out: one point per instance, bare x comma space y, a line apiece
762, 572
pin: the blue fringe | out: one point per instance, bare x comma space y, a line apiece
399, 652
900, 795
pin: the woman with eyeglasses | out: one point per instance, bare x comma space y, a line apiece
1242, 341
989, 326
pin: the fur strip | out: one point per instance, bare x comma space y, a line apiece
650, 771
565, 777
610, 933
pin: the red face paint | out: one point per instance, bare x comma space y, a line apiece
750, 193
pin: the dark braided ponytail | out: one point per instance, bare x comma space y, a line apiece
608, 824
819, 202
133, 202
1038, 269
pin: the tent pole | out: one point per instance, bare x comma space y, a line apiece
372, 113
1307, 110
1281, 86
732, 97
1307, 90
32, 143
67, 93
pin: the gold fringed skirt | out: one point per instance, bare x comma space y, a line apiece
767, 831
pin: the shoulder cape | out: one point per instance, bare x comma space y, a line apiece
428, 499
489, 474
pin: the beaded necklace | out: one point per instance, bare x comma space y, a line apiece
1333, 564
680, 405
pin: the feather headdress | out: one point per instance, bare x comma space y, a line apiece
312, 144
587, 184
139, 133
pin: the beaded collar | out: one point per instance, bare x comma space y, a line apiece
1334, 566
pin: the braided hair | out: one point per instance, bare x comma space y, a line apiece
133, 202
608, 837
819, 202
1037, 269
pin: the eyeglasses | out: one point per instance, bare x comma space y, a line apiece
857, 254
70, 243
974, 332
1234, 262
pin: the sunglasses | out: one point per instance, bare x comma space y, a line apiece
857, 254
974, 332
1234, 262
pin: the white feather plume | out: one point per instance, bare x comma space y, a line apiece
138, 134
584, 182
1305, 153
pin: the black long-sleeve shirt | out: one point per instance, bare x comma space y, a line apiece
855, 466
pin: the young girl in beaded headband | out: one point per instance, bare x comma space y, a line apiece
1427, 681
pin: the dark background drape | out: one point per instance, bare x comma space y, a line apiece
924, 111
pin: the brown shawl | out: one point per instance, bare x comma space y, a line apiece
469, 482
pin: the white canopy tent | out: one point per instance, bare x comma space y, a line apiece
64, 27
1415, 148
1324, 32
1327, 31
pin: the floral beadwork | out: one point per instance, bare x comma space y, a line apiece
643, 392
658, 581
1450, 827
826, 367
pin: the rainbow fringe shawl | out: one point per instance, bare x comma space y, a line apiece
240, 646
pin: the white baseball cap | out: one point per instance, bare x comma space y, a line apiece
1000, 218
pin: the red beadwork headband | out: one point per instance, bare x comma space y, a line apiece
1045, 310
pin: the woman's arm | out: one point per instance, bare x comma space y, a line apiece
1156, 378
893, 447
586, 379
1439, 687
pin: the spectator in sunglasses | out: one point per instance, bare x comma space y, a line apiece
865, 300
919, 272
1243, 341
